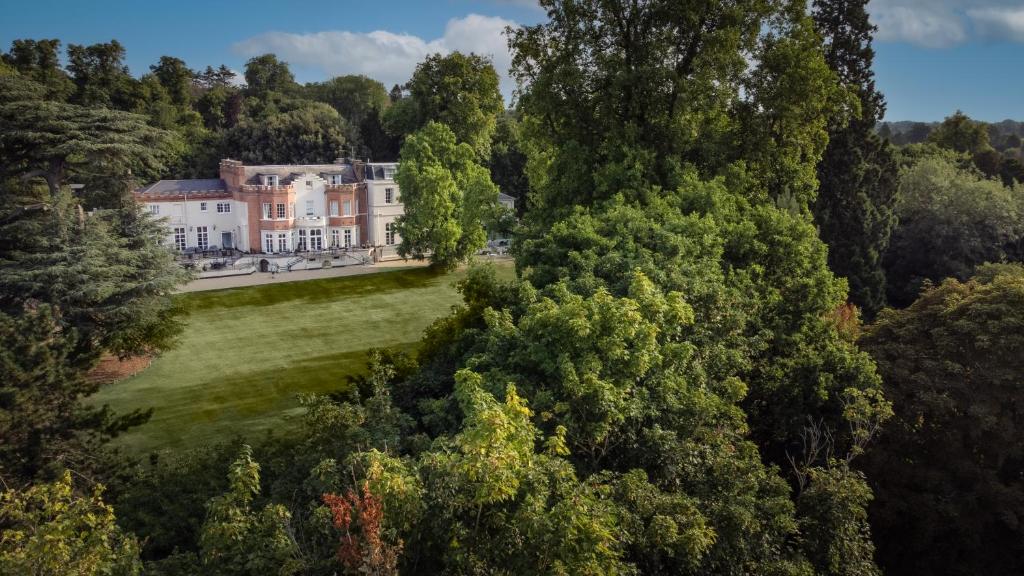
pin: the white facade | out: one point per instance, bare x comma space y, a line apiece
203, 223
385, 204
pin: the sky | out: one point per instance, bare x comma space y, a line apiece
933, 56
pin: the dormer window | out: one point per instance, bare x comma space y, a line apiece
270, 180
335, 179
389, 172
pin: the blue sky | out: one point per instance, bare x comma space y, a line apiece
933, 56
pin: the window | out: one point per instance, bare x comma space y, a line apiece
347, 205
389, 234
309, 207
389, 195
292, 213
389, 172
202, 238
302, 240
282, 242
223, 207
202, 206
268, 243
348, 237
309, 183
334, 238
154, 209
266, 211
335, 179
179, 239
270, 180
316, 239
334, 207
280, 211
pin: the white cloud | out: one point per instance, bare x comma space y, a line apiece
1003, 23
944, 23
386, 56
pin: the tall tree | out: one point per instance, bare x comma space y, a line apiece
176, 77
39, 60
58, 142
266, 73
460, 91
961, 134
101, 77
858, 173
447, 195
948, 471
361, 101
307, 135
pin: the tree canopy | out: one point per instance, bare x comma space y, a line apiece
447, 196
948, 469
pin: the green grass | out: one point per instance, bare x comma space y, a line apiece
248, 352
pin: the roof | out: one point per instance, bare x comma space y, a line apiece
287, 173
180, 187
502, 197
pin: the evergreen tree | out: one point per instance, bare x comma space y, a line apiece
858, 173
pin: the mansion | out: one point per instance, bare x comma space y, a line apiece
278, 209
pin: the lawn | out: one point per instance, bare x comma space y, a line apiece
248, 352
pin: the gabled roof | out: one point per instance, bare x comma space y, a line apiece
502, 197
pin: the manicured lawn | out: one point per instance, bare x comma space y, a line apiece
248, 352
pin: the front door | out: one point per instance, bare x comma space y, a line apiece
225, 240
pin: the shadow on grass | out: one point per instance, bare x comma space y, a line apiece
216, 411
318, 290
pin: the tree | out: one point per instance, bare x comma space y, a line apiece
176, 77
49, 530
508, 161
950, 221
265, 74
361, 101
101, 77
461, 92
446, 194
58, 142
961, 134
314, 133
947, 472
855, 207
39, 60
238, 540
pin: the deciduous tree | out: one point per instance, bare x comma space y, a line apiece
446, 193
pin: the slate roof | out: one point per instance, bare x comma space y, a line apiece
502, 197
179, 187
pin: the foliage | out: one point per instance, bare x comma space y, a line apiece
950, 221
106, 276
44, 427
855, 207
265, 74
446, 194
362, 102
361, 549
508, 161
460, 91
237, 539
961, 134
47, 529
57, 141
836, 534
947, 471
314, 133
